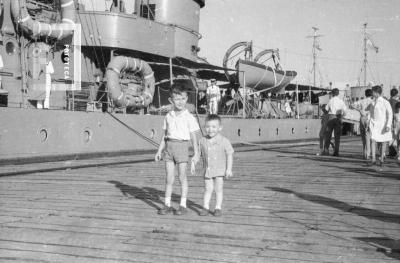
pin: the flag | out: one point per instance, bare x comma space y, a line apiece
317, 46
371, 44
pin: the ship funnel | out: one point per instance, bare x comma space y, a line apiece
130, 98
36, 29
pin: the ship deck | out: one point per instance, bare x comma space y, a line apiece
284, 204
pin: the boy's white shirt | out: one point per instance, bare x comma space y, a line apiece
179, 127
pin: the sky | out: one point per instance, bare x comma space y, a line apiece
284, 24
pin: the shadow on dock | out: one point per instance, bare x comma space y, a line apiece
370, 172
345, 207
387, 246
151, 196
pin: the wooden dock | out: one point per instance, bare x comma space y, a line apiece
284, 204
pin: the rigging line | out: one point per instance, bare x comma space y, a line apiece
86, 40
141, 135
94, 41
370, 70
98, 33
197, 114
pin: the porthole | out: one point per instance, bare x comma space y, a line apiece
238, 132
11, 48
87, 135
277, 131
293, 130
306, 129
43, 134
259, 131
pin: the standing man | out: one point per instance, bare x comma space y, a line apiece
394, 98
49, 71
213, 97
364, 107
336, 110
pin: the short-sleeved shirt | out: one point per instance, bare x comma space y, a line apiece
180, 126
214, 153
335, 105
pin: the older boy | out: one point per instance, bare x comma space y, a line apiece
180, 128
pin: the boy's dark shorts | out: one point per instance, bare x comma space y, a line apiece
176, 151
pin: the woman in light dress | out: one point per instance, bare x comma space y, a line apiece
380, 124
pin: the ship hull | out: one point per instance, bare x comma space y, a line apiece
261, 77
32, 133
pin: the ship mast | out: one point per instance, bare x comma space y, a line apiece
365, 55
314, 50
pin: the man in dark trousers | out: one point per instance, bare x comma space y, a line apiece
336, 110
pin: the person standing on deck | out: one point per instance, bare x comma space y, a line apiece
217, 153
336, 110
179, 127
380, 124
394, 98
49, 71
396, 127
364, 106
213, 97
322, 131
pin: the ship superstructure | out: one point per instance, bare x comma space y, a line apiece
71, 66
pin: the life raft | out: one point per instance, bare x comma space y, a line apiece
125, 98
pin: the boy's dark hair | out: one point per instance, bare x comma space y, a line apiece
377, 89
178, 88
368, 93
335, 92
393, 92
213, 117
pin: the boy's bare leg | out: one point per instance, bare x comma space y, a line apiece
219, 191
184, 182
170, 168
208, 190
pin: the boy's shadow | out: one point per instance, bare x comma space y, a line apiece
151, 196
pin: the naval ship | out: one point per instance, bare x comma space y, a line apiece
82, 78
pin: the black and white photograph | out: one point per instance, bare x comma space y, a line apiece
195, 131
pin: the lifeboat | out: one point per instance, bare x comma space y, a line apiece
261, 77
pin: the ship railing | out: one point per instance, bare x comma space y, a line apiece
135, 16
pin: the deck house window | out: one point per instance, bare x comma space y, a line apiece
148, 11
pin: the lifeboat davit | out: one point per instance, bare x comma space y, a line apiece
251, 73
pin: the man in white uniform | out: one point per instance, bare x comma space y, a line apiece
49, 71
336, 110
213, 97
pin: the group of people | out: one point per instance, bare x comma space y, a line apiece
180, 128
379, 123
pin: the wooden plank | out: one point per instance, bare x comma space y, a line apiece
284, 205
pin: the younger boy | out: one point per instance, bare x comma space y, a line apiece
217, 153
180, 127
